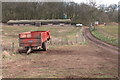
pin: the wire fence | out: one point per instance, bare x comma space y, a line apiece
79, 38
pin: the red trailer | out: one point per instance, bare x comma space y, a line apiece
34, 40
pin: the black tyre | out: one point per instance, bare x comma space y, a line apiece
44, 46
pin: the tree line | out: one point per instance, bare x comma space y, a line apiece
78, 13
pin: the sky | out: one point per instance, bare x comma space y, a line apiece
107, 2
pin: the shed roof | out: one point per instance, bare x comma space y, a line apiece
30, 21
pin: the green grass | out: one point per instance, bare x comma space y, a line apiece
109, 29
107, 33
11, 31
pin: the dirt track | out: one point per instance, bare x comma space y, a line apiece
91, 38
64, 62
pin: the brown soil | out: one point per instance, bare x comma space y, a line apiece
81, 61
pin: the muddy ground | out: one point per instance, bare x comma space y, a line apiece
77, 61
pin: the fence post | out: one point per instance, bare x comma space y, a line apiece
76, 39
12, 46
50, 41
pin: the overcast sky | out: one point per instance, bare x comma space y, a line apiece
77, 1
99, 1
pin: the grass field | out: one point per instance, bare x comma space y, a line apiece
10, 33
108, 33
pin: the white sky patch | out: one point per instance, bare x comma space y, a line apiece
107, 2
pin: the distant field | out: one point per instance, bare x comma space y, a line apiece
108, 33
64, 33
10, 31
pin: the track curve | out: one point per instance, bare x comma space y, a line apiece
89, 37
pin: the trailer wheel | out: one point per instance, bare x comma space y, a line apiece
44, 46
